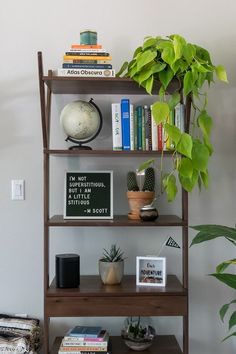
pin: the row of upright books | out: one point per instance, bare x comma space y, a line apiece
134, 128
86, 340
90, 60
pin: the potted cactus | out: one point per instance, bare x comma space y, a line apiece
139, 196
111, 266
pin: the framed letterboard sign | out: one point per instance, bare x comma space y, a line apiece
88, 195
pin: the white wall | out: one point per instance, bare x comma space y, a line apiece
51, 26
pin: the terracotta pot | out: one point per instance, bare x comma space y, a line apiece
111, 273
137, 200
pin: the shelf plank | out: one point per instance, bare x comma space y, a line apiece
87, 85
92, 298
91, 285
162, 344
123, 153
117, 221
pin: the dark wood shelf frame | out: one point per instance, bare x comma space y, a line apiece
130, 299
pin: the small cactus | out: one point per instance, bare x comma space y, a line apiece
149, 180
132, 184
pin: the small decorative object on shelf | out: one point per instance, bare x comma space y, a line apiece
82, 122
111, 266
88, 37
67, 270
148, 213
151, 271
138, 333
139, 197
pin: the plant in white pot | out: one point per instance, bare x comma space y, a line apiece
111, 265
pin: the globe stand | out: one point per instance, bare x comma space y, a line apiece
79, 147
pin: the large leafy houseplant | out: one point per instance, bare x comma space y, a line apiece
169, 60
211, 232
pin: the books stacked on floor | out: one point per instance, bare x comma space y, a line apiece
19, 334
134, 128
86, 340
86, 60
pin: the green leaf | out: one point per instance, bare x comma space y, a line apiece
208, 144
174, 100
122, 69
222, 266
166, 76
188, 82
205, 123
201, 79
169, 183
200, 156
226, 278
179, 43
173, 132
205, 178
185, 145
137, 51
145, 58
145, 165
189, 51
211, 231
168, 55
221, 73
145, 73
189, 183
149, 84
150, 42
160, 112
230, 335
186, 168
224, 309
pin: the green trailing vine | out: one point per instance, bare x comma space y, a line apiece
168, 60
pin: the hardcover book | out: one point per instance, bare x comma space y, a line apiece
86, 72
116, 126
125, 121
85, 331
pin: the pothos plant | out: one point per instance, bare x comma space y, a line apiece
168, 60
211, 232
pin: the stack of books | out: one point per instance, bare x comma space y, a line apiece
86, 60
86, 340
134, 128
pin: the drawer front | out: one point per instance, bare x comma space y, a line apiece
116, 306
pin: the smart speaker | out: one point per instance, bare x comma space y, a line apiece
67, 270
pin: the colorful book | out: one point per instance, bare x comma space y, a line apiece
131, 127
125, 123
179, 116
154, 133
149, 130
82, 348
86, 46
116, 126
102, 337
86, 72
82, 54
85, 331
86, 66
86, 57
87, 61
146, 124
139, 127
160, 137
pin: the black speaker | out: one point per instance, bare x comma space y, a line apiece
67, 270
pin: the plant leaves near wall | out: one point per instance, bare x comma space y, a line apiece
170, 59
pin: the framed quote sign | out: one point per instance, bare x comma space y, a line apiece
88, 195
151, 271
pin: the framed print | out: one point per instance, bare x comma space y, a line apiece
151, 271
88, 195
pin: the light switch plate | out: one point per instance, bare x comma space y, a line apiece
17, 189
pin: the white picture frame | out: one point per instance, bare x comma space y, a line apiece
88, 195
150, 271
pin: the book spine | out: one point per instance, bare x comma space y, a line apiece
62, 351
88, 50
86, 72
80, 53
125, 122
139, 127
179, 116
160, 144
131, 127
143, 131
69, 343
149, 130
146, 123
90, 62
86, 66
86, 46
154, 133
83, 348
116, 126
182, 117
170, 120
86, 57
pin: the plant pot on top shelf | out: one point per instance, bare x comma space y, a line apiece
139, 198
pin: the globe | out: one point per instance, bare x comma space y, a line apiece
81, 121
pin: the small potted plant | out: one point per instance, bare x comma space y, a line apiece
139, 196
111, 266
138, 333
